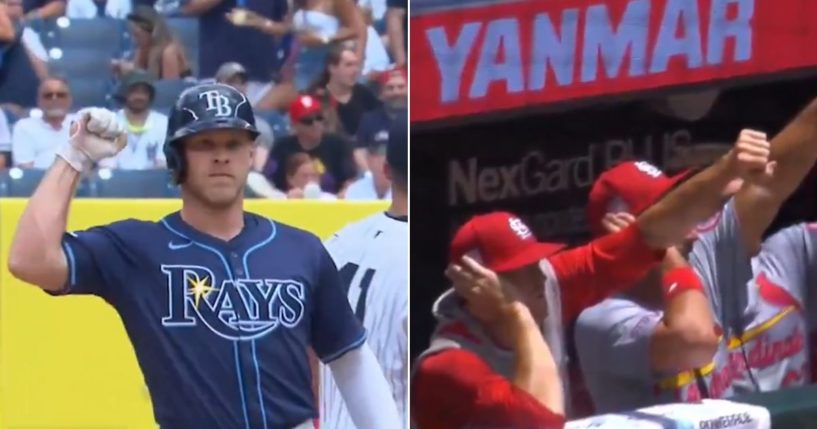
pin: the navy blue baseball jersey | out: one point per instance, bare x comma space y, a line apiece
220, 329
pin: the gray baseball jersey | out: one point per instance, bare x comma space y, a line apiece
758, 307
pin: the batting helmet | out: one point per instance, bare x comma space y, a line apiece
201, 108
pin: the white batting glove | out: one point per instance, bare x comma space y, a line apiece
96, 135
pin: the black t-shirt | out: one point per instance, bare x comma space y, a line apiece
334, 156
401, 4
220, 41
362, 101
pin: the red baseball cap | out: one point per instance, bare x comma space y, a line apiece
631, 187
388, 74
303, 106
502, 241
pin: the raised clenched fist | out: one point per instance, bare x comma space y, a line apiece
95, 135
751, 156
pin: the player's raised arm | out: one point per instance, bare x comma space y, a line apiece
794, 149
36, 254
668, 221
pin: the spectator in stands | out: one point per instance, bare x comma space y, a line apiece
224, 40
157, 50
374, 12
42, 9
235, 75
35, 140
303, 180
85, 9
321, 25
374, 185
22, 59
5, 141
332, 155
146, 127
339, 89
397, 29
30, 38
373, 131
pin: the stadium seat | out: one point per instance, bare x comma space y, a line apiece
17, 182
186, 31
103, 34
167, 91
131, 184
82, 63
90, 92
277, 121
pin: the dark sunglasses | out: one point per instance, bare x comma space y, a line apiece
311, 120
50, 95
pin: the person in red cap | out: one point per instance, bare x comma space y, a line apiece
659, 328
330, 153
496, 359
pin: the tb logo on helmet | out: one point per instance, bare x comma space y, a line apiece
218, 102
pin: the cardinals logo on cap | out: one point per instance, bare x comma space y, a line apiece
519, 228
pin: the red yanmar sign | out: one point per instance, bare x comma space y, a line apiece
536, 52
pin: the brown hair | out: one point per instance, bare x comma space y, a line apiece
332, 59
294, 162
160, 38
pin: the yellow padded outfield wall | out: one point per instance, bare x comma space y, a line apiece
66, 362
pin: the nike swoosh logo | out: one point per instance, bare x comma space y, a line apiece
672, 287
173, 246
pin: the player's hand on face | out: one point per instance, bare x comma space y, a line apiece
751, 156
98, 134
488, 297
615, 222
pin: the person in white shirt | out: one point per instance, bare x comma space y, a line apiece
372, 258
146, 128
34, 140
85, 9
374, 184
303, 180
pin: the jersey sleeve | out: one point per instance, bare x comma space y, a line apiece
616, 330
87, 254
789, 259
719, 255
455, 388
335, 329
590, 273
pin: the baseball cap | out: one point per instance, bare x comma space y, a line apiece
133, 78
632, 187
388, 74
228, 70
303, 106
397, 146
502, 241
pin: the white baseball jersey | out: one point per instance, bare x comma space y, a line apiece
372, 256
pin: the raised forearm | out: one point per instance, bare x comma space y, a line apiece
35, 255
685, 338
535, 370
667, 222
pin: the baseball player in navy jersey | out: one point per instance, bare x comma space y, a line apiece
373, 258
220, 304
488, 365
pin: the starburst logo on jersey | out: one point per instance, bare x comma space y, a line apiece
241, 309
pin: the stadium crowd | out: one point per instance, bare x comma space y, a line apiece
323, 76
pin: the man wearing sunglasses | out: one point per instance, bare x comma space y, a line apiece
331, 154
35, 139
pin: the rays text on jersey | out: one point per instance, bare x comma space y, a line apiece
240, 309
